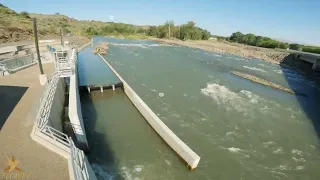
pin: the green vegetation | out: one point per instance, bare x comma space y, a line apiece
17, 26
183, 32
253, 40
25, 14
168, 30
221, 38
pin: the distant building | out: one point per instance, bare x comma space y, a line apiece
212, 38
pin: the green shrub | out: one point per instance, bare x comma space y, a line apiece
25, 14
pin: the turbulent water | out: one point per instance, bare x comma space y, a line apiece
240, 129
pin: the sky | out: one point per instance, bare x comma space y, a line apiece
286, 20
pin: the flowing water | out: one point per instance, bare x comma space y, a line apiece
240, 129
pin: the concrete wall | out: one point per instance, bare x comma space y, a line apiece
186, 153
75, 113
56, 113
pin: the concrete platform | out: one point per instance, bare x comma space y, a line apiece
35, 160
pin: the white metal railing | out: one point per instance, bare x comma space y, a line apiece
15, 63
41, 112
77, 157
79, 162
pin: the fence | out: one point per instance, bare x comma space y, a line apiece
79, 162
16, 63
54, 139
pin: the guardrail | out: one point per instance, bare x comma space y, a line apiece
59, 142
16, 63
79, 162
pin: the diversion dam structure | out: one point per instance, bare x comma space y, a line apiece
95, 65
240, 128
60, 103
186, 153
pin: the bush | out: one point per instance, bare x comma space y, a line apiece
25, 14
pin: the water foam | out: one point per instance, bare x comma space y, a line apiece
217, 55
234, 150
254, 68
100, 171
240, 102
139, 45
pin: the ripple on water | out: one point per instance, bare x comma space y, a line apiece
254, 68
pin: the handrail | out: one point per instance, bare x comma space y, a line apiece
79, 160
41, 112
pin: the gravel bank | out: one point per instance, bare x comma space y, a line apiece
270, 55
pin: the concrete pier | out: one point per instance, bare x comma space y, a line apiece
312, 58
101, 87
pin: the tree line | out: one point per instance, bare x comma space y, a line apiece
190, 31
266, 42
168, 30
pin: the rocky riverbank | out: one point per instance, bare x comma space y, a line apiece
270, 55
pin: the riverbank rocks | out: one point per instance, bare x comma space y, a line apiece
262, 81
223, 47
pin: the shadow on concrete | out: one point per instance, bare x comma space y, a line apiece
101, 156
9, 98
301, 78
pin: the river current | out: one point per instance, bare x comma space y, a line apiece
240, 129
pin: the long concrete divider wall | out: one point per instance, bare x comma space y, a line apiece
75, 113
186, 153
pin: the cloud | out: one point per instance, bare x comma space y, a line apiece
111, 17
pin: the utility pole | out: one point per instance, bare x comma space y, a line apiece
61, 37
35, 32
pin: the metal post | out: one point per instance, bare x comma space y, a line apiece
34, 20
61, 37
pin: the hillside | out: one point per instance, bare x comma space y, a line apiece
18, 26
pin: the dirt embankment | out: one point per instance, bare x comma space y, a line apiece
270, 55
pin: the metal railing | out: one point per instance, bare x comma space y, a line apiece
41, 113
15, 63
79, 162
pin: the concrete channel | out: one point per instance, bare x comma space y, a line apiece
92, 72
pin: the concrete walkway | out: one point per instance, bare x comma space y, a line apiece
15, 138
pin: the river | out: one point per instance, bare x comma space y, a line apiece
240, 129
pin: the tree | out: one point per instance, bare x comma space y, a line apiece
251, 39
236, 37
311, 49
91, 31
169, 25
283, 45
295, 47
205, 35
153, 31
258, 41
